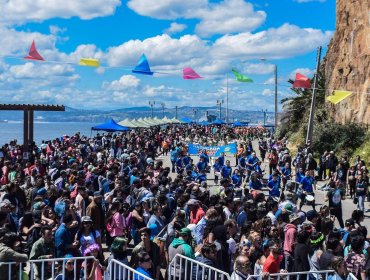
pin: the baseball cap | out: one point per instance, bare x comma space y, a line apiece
185, 231
86, 219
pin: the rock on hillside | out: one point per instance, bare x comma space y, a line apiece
348, 61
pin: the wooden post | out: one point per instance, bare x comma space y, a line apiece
30, 126
25, 131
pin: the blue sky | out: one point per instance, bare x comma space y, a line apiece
209, 36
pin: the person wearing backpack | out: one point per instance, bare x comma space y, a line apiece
334, 197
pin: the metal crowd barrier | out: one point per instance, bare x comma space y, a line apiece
184, 268
323, 274
118, 271
42, 269
351, 277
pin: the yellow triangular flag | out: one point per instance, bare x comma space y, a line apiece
338, 96
89, 62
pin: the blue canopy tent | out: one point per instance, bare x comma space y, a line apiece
239, 124
218, 121
186, 120
204, 123
110, 126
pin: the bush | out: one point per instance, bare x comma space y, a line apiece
338, 137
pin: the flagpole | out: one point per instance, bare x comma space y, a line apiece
227, 98
313, 100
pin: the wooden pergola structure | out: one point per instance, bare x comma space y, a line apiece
28, 117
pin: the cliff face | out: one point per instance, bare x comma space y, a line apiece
347, 62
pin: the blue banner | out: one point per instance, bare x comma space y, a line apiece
212, 151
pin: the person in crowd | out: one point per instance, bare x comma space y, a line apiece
144, 264
43, 248
147, 245
102, 190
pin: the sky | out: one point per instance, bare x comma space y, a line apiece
210, 36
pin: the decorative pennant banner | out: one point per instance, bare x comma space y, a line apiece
92, 62
33, 53
142, 66
188, 73
301, 81
213, 151
241, 78
338, 96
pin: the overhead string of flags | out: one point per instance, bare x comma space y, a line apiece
143, 67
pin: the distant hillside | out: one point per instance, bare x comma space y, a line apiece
195, 113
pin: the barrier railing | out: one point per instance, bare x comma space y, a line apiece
43, 269
184, 268
117, 271
323, 274
351, 277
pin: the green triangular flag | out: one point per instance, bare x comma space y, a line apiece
240, 77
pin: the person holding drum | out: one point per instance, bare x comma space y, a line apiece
305, 191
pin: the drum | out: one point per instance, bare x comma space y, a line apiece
310, 199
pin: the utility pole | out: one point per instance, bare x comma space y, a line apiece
313, 100
163, 106
176, 112
195, 111
276, 99
227, 98
152, 103
264, 116
219, 103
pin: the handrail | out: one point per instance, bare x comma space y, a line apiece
33, 265
124, 272
180, 265
287, 275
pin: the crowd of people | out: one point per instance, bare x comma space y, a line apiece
113, 196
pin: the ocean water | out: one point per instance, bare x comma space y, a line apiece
43, 130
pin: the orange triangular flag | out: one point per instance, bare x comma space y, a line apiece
33, 53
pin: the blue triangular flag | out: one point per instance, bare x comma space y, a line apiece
142, 67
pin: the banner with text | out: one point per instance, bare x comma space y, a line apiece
212, 151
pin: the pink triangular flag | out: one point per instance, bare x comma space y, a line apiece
301, 81
33, 53
190, 74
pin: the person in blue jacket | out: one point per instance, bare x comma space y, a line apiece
255, 182
217, 170
236, 178
274, 186
226, 170
307, 185
286, 173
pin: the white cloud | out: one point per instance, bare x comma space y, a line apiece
304, 71
228, 16
160, 50
166, 9
55, 30
258, 68
282, 42
125, 82
175, 28
21, 11
268, 92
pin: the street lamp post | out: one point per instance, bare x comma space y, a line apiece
264, 116
176, 112
152, 103
275, 97
219, 103
163, 107
195, 111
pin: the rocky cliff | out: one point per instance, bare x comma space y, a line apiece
347, 61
